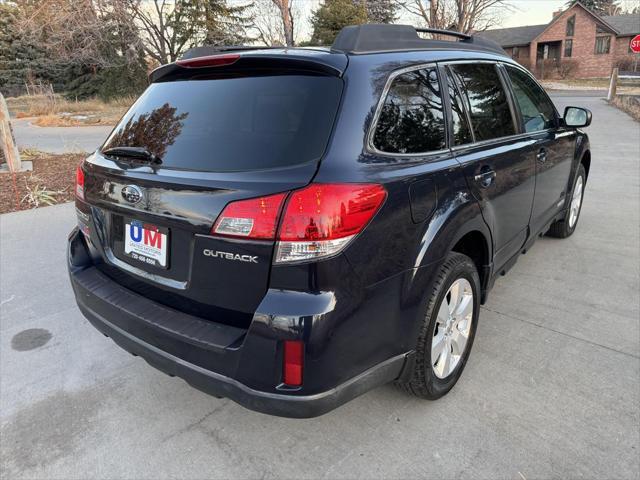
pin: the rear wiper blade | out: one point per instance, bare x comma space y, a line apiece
137, 153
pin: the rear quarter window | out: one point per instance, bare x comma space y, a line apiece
411, 119
233, 124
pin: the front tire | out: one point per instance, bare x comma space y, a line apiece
447, 331
566, 226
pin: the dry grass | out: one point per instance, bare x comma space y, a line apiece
50, 182
60, 112
53, 120
624, 85
576, 84
629, 104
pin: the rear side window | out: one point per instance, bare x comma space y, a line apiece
233, 124
485, 99
535, 107
411, 119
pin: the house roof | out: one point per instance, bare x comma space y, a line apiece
624, 24
621, 25
511, 37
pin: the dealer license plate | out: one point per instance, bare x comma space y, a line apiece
146, 243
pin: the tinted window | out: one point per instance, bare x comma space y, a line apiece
536, 109
411, 119
234, 123
460, 124
485, 99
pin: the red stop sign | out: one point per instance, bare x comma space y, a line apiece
635, 44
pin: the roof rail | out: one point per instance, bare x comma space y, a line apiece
373, 38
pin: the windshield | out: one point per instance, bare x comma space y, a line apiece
234, 123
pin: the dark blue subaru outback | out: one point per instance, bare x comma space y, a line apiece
290, 228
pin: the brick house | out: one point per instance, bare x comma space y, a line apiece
576, 43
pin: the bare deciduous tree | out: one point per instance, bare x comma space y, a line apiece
284, 6
460, 15
74, 31
167, 26
274, 21
170, 27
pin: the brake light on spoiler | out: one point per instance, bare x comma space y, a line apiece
318, 221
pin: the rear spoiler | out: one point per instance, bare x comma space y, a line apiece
249, 60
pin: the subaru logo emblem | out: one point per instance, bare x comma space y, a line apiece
132, 194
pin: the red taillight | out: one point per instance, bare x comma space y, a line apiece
321, 219
293, 363
209, 61
80, 182
318, 220
254, 218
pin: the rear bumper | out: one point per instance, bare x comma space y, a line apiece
171, 342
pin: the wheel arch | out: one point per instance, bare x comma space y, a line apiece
464, 231
475, 245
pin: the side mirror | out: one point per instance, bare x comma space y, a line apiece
576, 117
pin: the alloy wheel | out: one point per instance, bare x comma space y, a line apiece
452, 329
576, 200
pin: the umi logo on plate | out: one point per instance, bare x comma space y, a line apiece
146, 234
230, 256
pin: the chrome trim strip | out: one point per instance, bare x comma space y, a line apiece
499, 140
168, 282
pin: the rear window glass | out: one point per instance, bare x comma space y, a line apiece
233, 124
485, 99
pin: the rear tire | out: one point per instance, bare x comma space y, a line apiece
452, 310
565, 227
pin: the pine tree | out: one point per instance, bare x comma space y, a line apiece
21, 59
332, 16
380, 11
225, 24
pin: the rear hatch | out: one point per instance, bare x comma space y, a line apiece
213, 136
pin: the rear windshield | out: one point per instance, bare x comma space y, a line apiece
232, 124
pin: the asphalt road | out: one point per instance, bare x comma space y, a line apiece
552, 388
59, 139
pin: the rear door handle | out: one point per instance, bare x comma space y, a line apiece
485, 178
542, 155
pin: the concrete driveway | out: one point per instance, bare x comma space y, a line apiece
59, 139
552, 388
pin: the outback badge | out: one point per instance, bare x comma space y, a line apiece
230, 256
